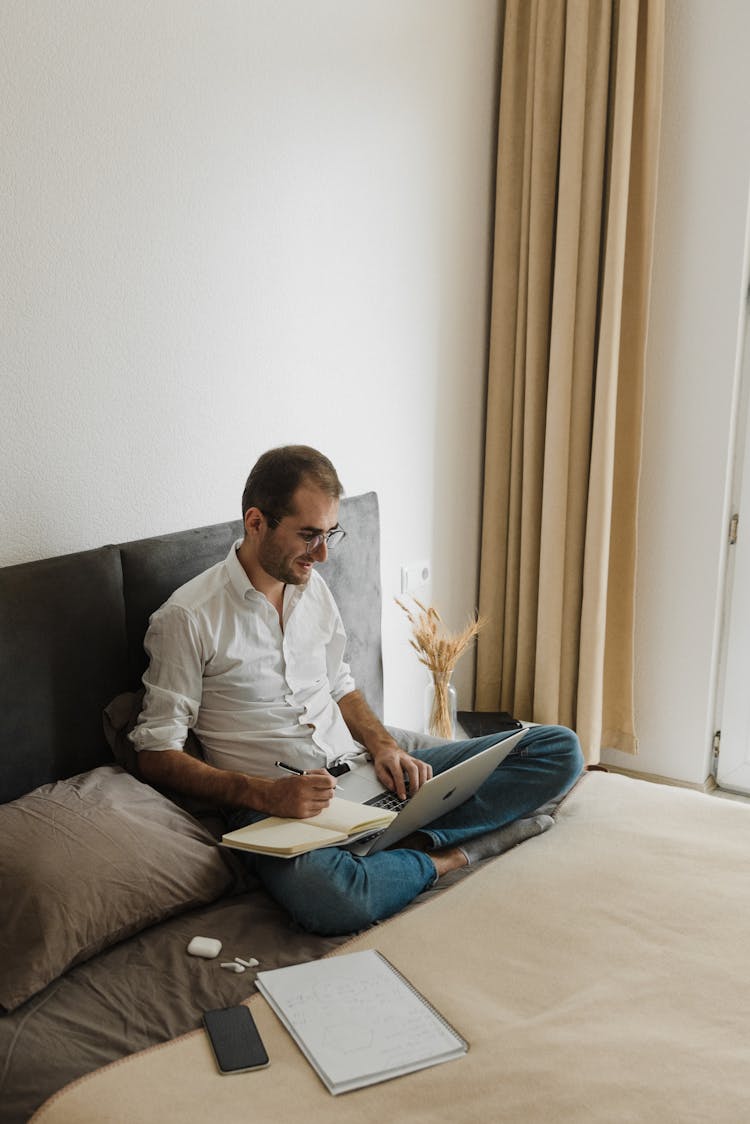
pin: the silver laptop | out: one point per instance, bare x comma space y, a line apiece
440, 794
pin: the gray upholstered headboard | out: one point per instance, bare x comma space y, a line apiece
72, 627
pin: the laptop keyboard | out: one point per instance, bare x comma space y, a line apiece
388, 800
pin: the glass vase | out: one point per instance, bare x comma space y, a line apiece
440, 707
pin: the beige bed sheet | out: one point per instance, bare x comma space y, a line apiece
599, 972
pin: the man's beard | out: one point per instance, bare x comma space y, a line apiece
281, 567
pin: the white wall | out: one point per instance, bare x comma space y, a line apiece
229, 224
696, 311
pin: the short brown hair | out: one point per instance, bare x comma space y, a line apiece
278, 473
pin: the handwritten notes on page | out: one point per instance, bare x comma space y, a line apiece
358, 1020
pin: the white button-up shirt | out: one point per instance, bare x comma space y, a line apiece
221, 664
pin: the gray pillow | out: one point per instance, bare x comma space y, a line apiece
89, 861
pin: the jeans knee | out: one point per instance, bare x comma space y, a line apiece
321, 903
555, 748
569, 753
331, 914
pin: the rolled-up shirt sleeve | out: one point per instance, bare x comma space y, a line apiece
173, 680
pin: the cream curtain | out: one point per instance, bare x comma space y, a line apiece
580, 105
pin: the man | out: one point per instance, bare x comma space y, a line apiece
250, 655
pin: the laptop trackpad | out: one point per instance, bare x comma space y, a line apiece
360, 785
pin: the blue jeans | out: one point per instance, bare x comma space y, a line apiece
331, 891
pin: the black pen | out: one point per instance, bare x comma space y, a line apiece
291, 769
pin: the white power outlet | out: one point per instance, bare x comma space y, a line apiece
415, 575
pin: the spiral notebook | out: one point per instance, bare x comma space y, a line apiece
357, 1020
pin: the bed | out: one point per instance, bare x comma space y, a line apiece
598, 971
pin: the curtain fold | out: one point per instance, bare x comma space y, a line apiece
580, 100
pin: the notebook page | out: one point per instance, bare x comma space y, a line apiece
357, 1019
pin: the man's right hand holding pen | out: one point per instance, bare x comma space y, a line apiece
299, 795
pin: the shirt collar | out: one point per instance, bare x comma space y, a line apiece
239, 579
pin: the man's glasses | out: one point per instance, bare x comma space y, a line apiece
330, 538
312, 540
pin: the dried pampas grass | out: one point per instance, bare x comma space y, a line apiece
439, 651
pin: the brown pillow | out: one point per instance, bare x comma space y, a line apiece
88, 861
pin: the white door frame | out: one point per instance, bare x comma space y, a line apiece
731, 765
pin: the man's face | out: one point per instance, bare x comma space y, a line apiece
282, 551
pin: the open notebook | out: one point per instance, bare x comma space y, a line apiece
285, 838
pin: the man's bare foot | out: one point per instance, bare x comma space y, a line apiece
445, 860
451, 858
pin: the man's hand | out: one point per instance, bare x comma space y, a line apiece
392, 765
300, 797
391, 762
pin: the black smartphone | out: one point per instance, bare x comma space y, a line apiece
235, 1040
